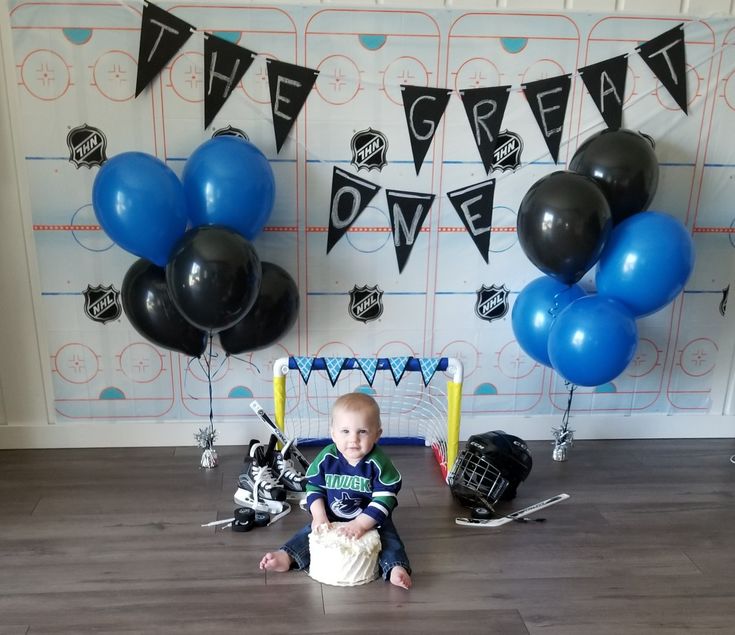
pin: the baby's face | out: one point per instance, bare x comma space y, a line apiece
354, 434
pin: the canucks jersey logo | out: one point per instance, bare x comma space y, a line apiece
346, 507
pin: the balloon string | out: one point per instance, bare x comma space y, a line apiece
209, 382
245, 361
563, 431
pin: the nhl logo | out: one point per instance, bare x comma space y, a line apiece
87, 146
507, 153
492, 302
102, 304
366, 303
368, 150
230, 132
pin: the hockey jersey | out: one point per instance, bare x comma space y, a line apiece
371, 486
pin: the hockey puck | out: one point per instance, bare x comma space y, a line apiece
481, 513
262, 519
242, 526
244, 515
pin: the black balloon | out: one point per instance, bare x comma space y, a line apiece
563, 224
214, 277
624, 165
272, 315
152, 313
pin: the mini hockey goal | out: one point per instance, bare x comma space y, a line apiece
419, 398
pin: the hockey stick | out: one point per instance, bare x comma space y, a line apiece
521, 513
258, 410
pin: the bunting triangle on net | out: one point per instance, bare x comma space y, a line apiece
304, 364
334, 367
368, 366
398, 367
428, 367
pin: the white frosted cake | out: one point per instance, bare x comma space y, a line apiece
342, 561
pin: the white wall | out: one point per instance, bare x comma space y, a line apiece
26, 415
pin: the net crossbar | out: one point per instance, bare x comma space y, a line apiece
413, 410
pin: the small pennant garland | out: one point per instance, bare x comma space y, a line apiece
398, 367
368, 366
304, 365
428, 368
334, 367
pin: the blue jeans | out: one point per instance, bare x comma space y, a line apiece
392, 552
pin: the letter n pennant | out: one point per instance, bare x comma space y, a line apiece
407, 213
161, 36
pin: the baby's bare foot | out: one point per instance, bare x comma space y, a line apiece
276, 561
400, 577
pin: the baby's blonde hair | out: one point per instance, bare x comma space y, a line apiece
358, 402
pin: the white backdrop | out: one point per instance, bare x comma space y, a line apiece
75, 63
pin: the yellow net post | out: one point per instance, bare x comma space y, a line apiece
279, 400
454, 406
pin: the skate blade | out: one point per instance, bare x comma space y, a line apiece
244, 498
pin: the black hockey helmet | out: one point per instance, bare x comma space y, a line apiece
490, 468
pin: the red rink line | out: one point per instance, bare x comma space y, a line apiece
95, 228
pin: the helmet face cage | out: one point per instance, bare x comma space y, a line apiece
476, 481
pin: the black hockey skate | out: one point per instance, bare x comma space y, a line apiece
293, 481
258, 486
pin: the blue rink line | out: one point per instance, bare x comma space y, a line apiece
340, 293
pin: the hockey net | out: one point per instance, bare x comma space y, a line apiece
419, 398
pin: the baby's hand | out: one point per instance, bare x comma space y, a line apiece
352, 529
319, 526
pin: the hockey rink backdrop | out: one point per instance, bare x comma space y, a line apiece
76, 67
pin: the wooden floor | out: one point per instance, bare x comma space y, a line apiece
109, 540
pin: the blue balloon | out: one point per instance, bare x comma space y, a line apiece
140, 203
592, 341
535, 310
229, 182
646, 262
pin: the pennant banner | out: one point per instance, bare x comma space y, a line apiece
485, 108
368, 366
407, 211
350, 196
161, 36
224, 65
548, 101
334, 367
424, 108
474, 206
398, 367
428, 367
289, 85
605, 82
304, 365
665, 55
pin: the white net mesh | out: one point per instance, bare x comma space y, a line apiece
411, 412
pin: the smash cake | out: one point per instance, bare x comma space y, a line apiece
339, 560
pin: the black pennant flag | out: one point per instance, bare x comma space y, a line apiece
289, 87
666, 57
605, 82
548, 101
161, 36
474, 205
350, 196
224, 65
407, 211
485, 108
424, 108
